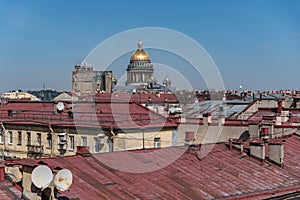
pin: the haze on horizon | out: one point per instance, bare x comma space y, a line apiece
255, 43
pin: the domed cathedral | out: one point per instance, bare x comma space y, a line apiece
140, 70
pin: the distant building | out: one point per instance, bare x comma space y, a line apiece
64, 96
44, 94
86, 80
19, 95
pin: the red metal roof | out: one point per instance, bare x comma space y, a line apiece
222, 173
87, 114
9, 191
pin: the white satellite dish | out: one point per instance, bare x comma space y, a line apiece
63, 180
172, 110
60, 106
41, 176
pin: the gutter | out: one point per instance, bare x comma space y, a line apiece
52, 144
4, 135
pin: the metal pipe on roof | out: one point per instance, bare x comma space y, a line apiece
52, 138
112, 132
4, 139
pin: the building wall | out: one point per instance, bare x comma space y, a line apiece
209, 134
97, 144
253, 130
19, 95
28, 188
279, 132
265, 103
86, 80
131, 141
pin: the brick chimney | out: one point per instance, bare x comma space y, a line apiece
2, 172
257, 149
206, 119
237, 144
276, 152
266, 131
83, 151
279, 108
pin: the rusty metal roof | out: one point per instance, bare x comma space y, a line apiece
87, 114
9, 191
222, 173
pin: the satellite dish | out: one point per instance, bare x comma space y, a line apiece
41, 176
60, 106
63, 180
172, 110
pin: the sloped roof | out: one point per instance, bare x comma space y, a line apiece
230, 109
9, 191
222, 173
88, 114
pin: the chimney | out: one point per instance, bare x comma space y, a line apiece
2, 172
276, 152
83, 151
279, 109
230, 144
266, 131
257, 149
206, 119
221, 120
237, 144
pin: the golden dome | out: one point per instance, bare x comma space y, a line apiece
140, 54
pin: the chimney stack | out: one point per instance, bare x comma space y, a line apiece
206, 119
257, 149
279, 109
276, 152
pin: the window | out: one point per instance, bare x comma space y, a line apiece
174, 137
19, 137
156, 142
71, 147
10, 137
99, 142
39, 139
1, 136
49, 140
110, 143
84, 141
28, 138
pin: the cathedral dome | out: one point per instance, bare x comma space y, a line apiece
139, 54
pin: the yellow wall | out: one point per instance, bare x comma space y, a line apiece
131, 141
122, 141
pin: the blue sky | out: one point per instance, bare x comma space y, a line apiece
254, 43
